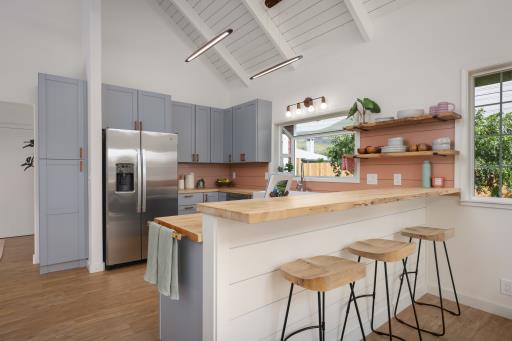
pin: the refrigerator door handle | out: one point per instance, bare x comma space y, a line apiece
139, 180
144, 172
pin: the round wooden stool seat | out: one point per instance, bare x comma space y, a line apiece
428, 233
323, 273
383, 250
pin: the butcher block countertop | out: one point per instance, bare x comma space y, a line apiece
236, 190
263, 210
189, 225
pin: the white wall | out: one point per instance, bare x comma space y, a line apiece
38, 36
415, 60
17, 194
142, 48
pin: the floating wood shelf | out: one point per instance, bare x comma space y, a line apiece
429, 118
404, 154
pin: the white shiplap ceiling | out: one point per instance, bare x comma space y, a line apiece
252, 47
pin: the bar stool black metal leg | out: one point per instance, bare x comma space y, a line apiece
440, 291
287, 311
320, 333
323, 313
373, 299
412, 299
352, 293
347, 312
387, 299
453, 282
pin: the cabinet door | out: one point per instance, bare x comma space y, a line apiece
154, 111
61, 117
62, 206
217, 135
183, 124
203, 120
244, 132
119, 107
228, 136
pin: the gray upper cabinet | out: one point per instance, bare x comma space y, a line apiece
217, 135
120, 109
227, 155
202, 133
154, 111
61, 117
183, 124
252, 130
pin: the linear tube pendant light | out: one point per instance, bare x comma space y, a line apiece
276, 67
209, 45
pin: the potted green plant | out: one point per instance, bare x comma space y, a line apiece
361, 106
287, 168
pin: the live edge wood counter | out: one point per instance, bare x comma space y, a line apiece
190, 225
263, 210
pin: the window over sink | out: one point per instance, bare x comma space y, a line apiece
317, 146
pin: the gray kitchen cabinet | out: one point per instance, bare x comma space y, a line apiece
183, 124
62, 214
154, 111
217, 132
202, 133
228, 136
119, 107
211, 196
61, 117
252, 129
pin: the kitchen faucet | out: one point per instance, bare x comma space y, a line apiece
301, 186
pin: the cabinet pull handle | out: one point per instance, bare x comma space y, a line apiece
188, 208
188, 196
140, 125
135, 125
197, 157
193, 157
229, 158
81, 166
81, 153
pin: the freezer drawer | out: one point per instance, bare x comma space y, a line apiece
190, 198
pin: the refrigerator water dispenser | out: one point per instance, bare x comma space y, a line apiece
124, 177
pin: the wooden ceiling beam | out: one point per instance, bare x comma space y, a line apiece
265, 22
197, 22
361, 18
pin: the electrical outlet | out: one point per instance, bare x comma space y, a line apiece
506, 287
372, 179
397, 179
234, 175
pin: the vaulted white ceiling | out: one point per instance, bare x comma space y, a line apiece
263, 37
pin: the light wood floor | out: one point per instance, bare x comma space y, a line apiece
119, 305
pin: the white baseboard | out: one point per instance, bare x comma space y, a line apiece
475, 302
96, 267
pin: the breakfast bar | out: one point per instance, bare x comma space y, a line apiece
244, 242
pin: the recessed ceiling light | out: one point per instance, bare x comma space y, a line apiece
276, 67
209, 45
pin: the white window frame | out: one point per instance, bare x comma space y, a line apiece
347, 179
465, 134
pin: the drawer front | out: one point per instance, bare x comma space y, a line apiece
211, 197
186, 209
190, 199
223, 196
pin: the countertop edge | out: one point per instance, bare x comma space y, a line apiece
318, 208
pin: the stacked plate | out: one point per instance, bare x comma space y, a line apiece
443, 143
395, 145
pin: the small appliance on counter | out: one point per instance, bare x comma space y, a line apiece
200, 183
189, 181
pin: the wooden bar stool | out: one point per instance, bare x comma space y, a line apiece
434, 235
385, 251
321, 274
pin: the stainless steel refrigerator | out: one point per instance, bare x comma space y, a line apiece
140, 183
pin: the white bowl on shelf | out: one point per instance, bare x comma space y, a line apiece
442, 140
396, 141
441, 147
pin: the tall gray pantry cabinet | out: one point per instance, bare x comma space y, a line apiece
62, 173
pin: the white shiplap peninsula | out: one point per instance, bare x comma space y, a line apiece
245, 242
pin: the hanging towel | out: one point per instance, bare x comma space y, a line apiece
151, 274
168, 264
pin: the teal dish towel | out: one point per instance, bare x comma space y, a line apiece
168, 264
151, 274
